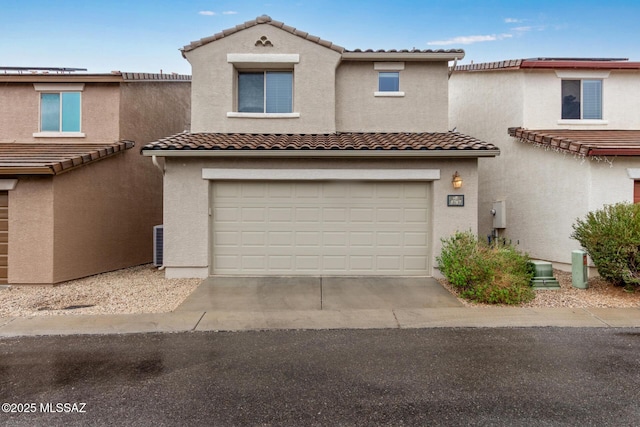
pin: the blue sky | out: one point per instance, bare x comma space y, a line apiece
145, 35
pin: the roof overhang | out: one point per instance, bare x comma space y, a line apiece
403, 56
583, 142
61, 78
379, 154
329, 145
20, 159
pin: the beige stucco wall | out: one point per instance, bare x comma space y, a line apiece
423, 108
103, 218
20, 106
31, 240
187, 221
98, 217
544, 191
542, 109
214, 88
501, 94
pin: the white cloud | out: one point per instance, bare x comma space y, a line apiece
206, 13
230, 12
513, 20
528, 28
469, 39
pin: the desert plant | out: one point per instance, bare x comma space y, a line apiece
496, 273
611, 237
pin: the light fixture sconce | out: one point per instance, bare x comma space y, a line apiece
456, 181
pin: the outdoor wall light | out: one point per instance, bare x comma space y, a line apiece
456, 181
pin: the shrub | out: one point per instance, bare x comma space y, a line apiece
611, 237
496, 274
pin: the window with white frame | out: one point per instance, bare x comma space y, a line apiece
265, 92
60, 109
60, 112
389, 81
582, 99
388, 78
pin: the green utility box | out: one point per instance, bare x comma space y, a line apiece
579, 269
543, 278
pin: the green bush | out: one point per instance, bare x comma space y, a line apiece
495, 274
611, 237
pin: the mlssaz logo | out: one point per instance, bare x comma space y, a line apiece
63, 407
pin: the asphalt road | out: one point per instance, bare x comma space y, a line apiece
506, 377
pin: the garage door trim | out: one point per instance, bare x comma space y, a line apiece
321, 174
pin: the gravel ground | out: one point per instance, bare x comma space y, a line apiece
141, 289
599, 294
144, 289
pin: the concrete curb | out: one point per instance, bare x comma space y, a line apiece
457, 317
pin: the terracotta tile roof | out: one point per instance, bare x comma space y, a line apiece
338, 143
264, 19
584, 142
553, 64
161, 77
113, 77
54, 158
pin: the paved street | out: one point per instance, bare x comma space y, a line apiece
448, 376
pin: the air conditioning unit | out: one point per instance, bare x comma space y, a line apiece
158, 245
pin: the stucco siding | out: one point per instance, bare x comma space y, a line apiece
543, 101
31, 231
186, 208
214, 87
473, 98
20, 106
99, 223
423, 108
544, 191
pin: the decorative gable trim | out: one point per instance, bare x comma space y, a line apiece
261, 20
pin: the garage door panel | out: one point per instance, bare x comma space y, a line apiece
226, 214
280, 214
310, 214
415, 215
362, 215
315, 228
389, 214
281, 238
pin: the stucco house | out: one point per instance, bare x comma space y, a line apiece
569, 136
305, 158
75, 198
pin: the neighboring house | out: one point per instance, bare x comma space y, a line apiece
75, 199
569, 136
308, 159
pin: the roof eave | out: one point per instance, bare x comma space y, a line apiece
614, 152
57, 78
324, 153
402, 56
18, 171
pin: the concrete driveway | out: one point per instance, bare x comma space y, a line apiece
317, 293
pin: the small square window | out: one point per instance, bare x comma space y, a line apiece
265, 92
389, 81
582, 99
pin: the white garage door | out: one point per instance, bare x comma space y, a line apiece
320, 228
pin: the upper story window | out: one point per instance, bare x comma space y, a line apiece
389, 81
582, 99
264, 85
60, 110
388, 78
265, 92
